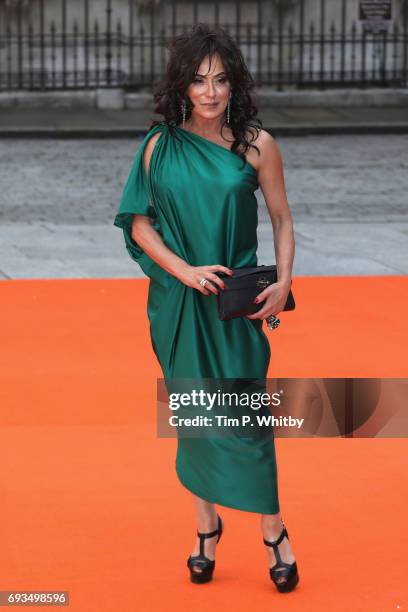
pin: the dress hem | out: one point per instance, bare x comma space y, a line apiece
220, 503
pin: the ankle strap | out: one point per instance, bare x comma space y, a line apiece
279, 540
275, 544
211, 534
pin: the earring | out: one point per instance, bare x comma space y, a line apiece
183, 110
228, 107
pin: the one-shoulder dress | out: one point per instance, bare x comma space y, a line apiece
200, 196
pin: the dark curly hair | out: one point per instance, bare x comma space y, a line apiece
187, 51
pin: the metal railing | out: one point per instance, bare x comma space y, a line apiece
47, 46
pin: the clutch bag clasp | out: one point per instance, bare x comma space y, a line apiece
262, 282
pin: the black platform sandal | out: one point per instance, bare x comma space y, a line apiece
280, 570
206, 565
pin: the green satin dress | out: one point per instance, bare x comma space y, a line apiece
201, 198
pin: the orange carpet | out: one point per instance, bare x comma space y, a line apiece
90, 501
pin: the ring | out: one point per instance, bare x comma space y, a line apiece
203, 282
272, 322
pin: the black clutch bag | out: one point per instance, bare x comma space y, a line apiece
243, 287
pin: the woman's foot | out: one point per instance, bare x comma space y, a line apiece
210, 544
271, 532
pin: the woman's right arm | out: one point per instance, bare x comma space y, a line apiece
152, 243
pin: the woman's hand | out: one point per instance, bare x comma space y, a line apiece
191, 276
275, 296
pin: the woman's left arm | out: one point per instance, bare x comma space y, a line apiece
272, 183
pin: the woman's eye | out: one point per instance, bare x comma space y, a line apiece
221, 80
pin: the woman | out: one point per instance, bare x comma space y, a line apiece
188, 211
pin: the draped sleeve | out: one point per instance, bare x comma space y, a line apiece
136, 200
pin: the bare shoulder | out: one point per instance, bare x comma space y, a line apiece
268, 149
266, 142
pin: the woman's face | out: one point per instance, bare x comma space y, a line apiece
209, 89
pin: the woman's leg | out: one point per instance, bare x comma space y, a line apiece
207, 521
271, 526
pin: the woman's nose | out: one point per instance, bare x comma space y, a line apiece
210, 90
